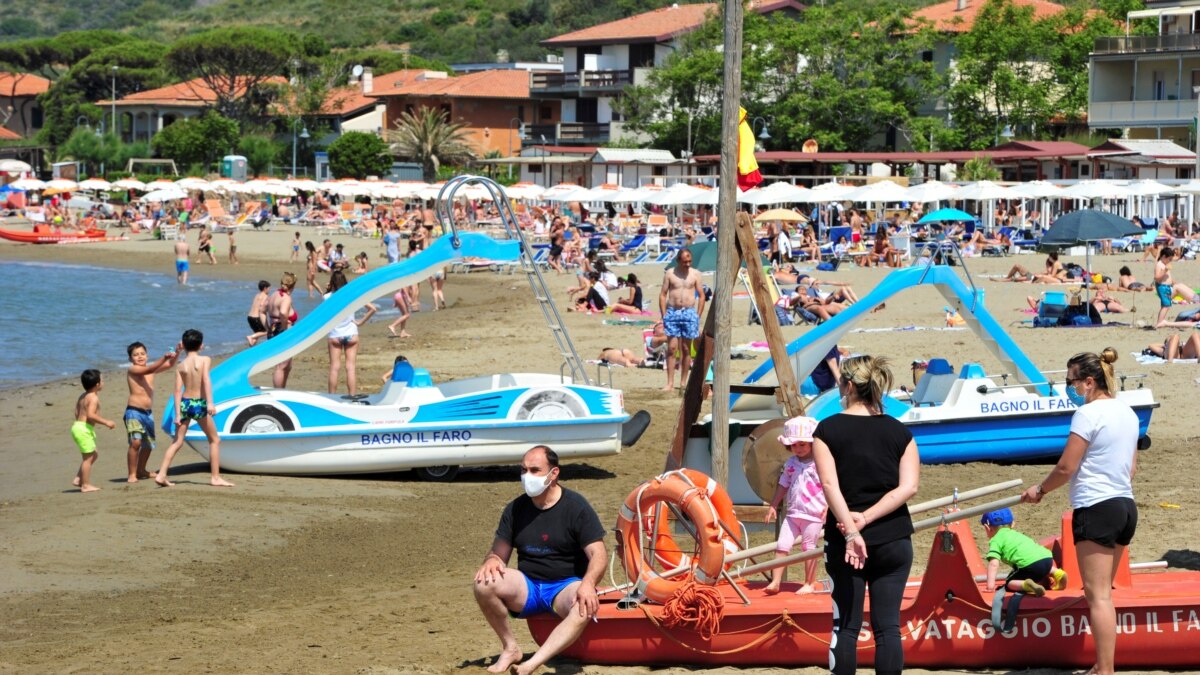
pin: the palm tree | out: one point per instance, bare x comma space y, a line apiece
428, 137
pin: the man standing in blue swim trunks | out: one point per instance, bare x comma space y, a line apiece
561, 558
681, 303
181, 261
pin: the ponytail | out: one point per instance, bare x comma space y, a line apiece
1099, 367
867, 379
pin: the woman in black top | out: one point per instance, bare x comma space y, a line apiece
869, 467
633, 303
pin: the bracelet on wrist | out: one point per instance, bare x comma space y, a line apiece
1041, 490
851, 536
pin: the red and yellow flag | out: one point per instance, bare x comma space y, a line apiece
747, 166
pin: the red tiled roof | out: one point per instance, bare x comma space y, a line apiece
946, 17
27, 84
658, 25
8, 135
1056, 147
482, 84
193, 93
348, 99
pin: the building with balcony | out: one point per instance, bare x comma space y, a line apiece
20, 113
1145, 85
601, 61
495, 106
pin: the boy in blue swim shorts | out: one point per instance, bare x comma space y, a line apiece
192, 375
561, 558
139, 407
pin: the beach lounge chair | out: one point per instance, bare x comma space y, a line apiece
998, 249
632, 245
835, 233
216, 214
642, 257
666, 257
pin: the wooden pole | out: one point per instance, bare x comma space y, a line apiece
788, 393
727, 209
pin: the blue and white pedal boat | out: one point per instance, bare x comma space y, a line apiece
955, 416
413, 423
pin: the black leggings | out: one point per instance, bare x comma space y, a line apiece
886, 571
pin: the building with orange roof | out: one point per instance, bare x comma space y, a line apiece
600, 61
1148, 86
19, 109
495, 105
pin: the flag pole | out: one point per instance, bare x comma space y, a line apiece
727, 260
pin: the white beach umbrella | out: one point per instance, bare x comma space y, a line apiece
1146, 188
62, 184
304, 184
14, 166
95, 184
130, 184
882, 192
600, 193
1191, 187
776, 193
163, 195
1038, 188
678, 193
524, 190
929, 192
637, 194
985, 190
1090, 189
830, 192
193, 183
563, 192
28, 184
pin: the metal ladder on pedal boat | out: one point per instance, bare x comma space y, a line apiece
537, 282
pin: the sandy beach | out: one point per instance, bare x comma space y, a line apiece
371, 574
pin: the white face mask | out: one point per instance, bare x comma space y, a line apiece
535, 485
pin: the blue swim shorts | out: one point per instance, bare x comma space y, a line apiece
139, 424
181, 266
539, 598
1164, 294
682, 322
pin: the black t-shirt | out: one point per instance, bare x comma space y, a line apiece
867, 452
550, 543
822, 375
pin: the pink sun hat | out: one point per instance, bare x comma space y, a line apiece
797, 430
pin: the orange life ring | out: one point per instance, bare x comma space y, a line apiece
666, 550
699, 507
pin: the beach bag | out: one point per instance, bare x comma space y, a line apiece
825, 267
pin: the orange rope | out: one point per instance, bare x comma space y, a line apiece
696, 607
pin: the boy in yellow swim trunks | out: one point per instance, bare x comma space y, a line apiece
87, 416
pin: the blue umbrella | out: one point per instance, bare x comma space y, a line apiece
946, 215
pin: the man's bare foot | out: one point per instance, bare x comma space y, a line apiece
163, 482
405, 334
507, 659
131, 479
669, 387
220, 482
806, 589
392, 331
75, 481
88, 488
771, 589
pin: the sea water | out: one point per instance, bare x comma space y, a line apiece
62, 319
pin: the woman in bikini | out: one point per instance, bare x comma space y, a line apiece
343, 340
311, 271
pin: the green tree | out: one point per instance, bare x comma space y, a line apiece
1003, 75
358, 155
92, 150
237, 64
978, 168
260, 153
197, 141
426, 136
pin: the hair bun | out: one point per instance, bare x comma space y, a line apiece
1109, 355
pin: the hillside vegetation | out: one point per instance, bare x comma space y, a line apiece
450, 31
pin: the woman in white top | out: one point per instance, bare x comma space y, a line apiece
343, 340
1098, 461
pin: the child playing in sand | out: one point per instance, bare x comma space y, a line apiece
257, 316
139, 407
806, 505
1033, 564
192, 376
87, 416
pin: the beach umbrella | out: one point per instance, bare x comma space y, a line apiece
638, 194
776, 193
985, 190
1090, 189
163, 195
1037, 188
525, 190
193, 183
884, 191
28, 184
704, 256
786, 215
304, 184
830, 192
14, 166
1085, 226
95, 184
946, 216
62, 185
130, 184
931, 191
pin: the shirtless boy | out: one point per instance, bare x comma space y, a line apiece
139, 407
182, 253
87, 416
681, 303
206, 246
280, 317
1166, 287
257, 316
192, 376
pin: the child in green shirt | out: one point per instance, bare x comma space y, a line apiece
1033, 564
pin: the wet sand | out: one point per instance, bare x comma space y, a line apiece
371, 574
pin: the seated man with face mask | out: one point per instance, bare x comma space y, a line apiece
561, 558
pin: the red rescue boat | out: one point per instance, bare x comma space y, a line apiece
44, 234
946, 621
